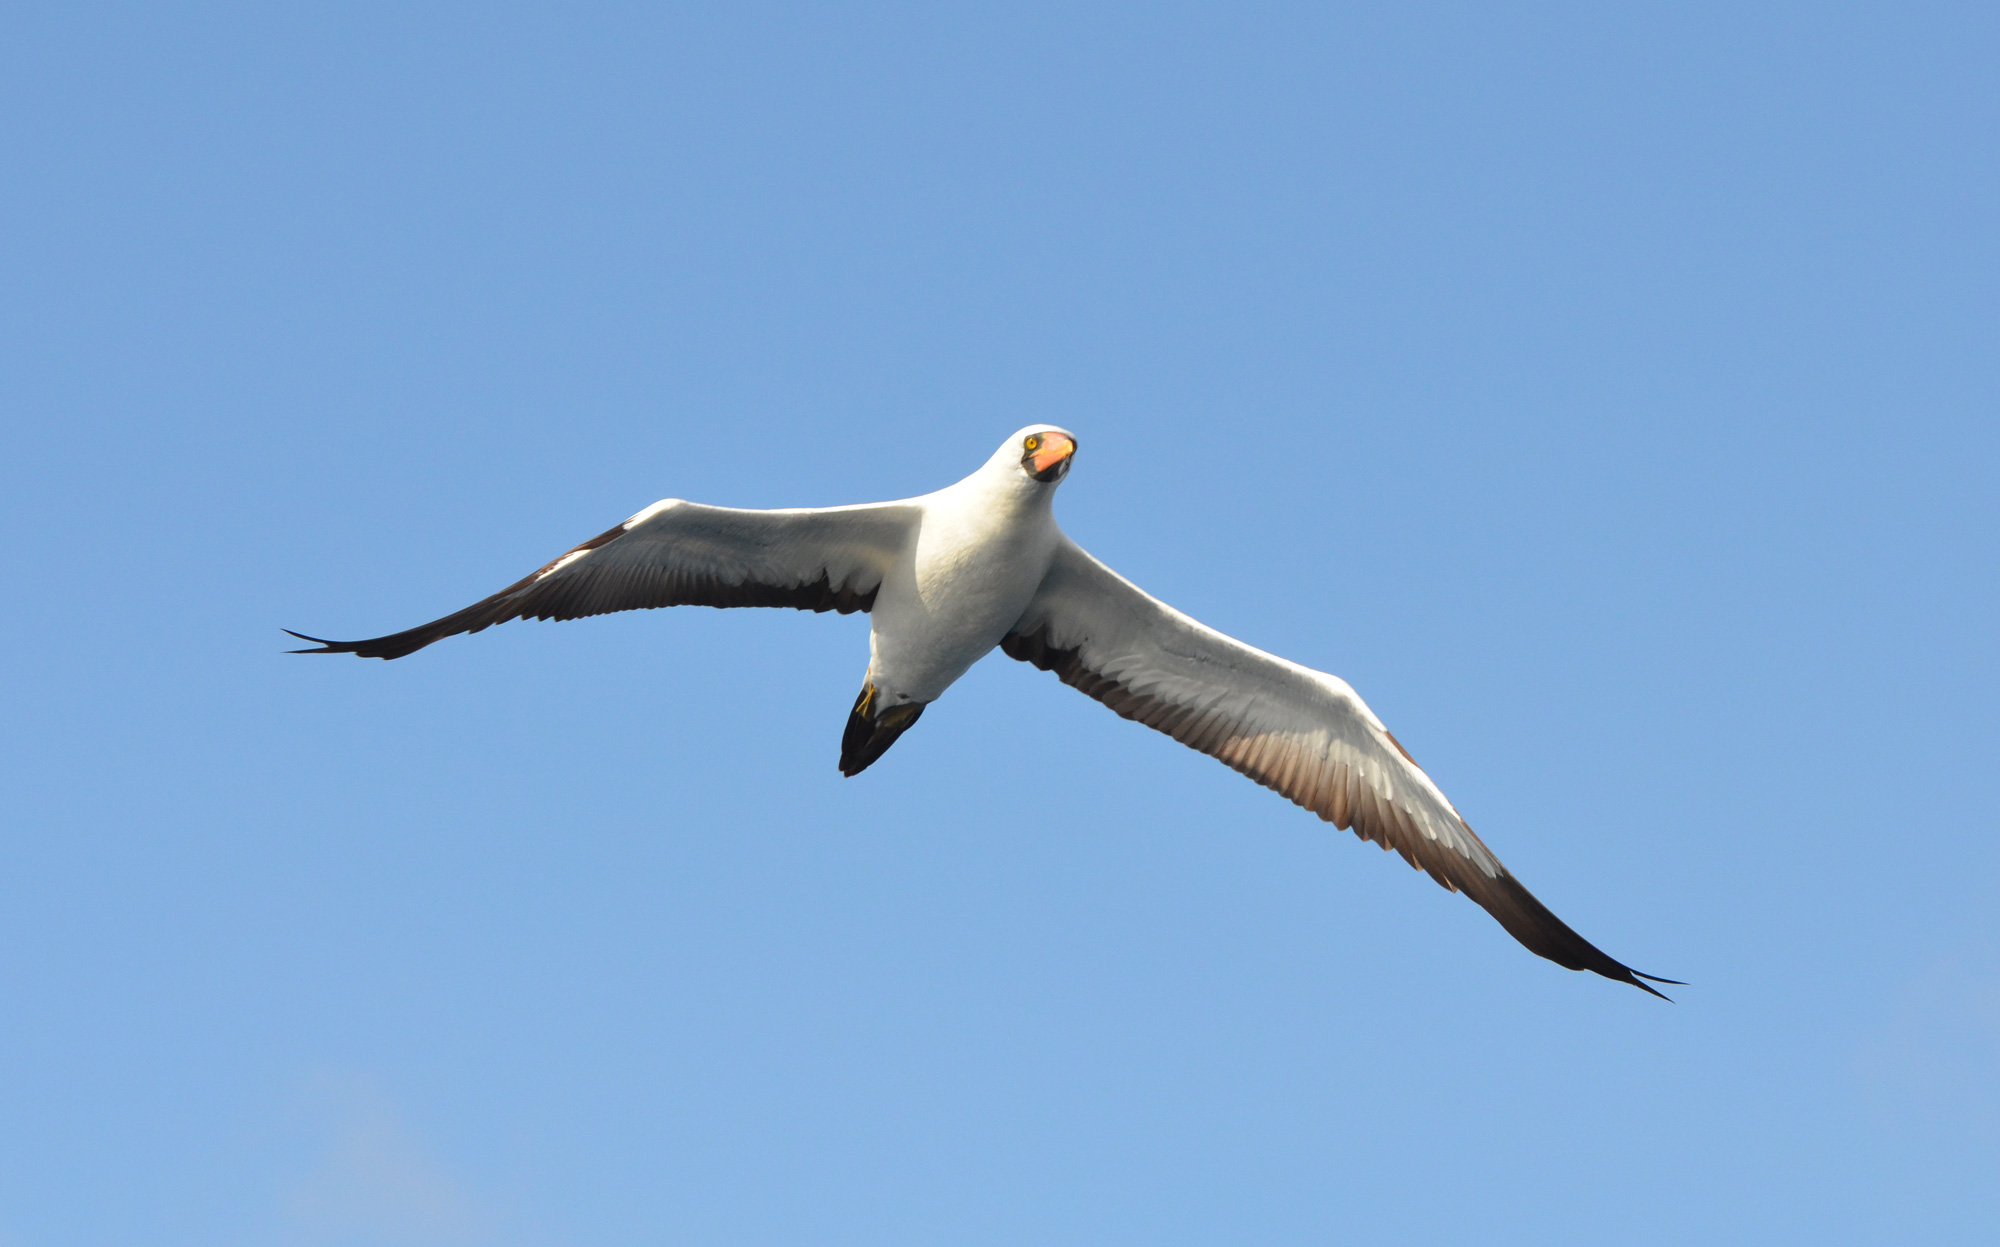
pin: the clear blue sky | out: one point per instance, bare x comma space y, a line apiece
1608, 392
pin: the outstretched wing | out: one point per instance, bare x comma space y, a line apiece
677, 553
1301, 732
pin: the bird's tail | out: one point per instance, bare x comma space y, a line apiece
869, 734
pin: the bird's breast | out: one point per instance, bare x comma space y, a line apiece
963, 588
964, 570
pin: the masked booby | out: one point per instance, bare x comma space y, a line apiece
950, 576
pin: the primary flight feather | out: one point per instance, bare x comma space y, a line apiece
950, 576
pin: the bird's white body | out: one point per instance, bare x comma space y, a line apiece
979, 551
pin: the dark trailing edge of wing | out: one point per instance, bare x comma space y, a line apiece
1513, 906
600, 590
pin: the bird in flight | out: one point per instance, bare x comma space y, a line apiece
950, 576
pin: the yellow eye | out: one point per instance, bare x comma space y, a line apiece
1031, 443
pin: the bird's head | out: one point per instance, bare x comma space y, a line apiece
1045, 451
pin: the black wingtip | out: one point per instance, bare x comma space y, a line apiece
1637, 980
325, 646
1637, 976
1545, 935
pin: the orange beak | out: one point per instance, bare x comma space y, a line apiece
1054, 449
